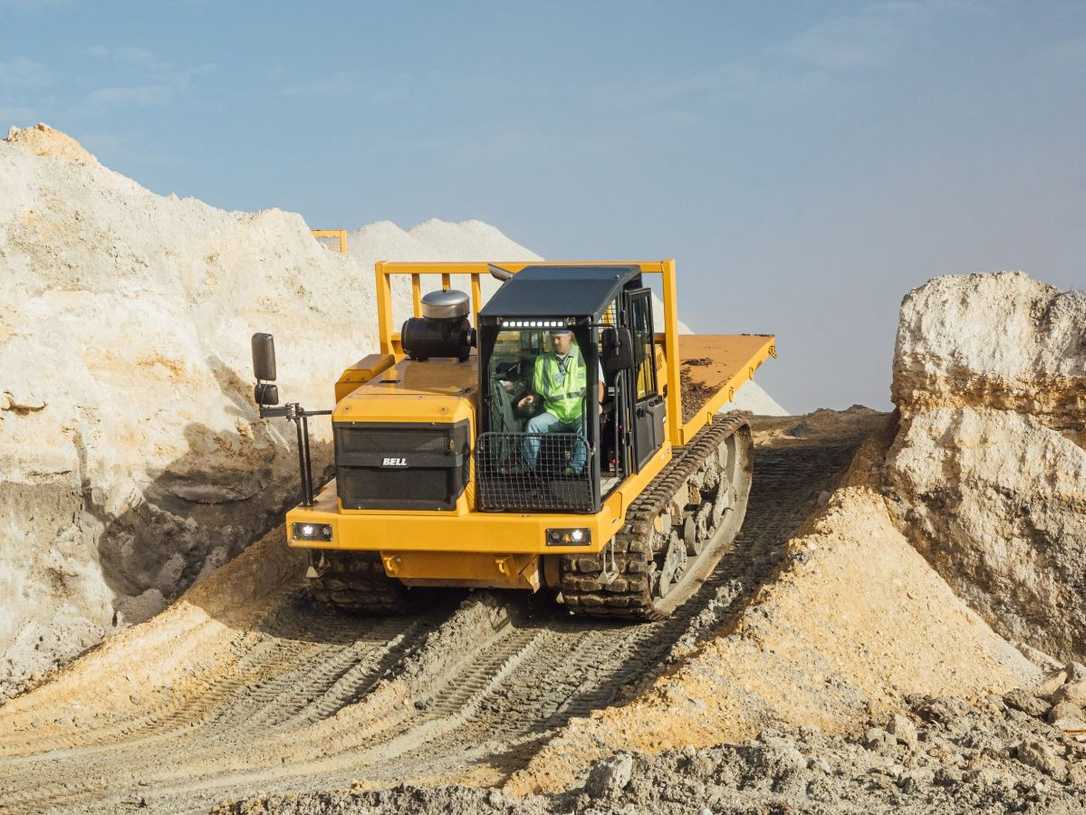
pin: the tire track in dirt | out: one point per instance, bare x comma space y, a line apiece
584, 667
278, 678
324, 700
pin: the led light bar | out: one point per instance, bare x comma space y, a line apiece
537, 323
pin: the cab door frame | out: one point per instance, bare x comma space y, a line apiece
649, 410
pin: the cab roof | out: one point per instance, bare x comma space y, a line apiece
559, 291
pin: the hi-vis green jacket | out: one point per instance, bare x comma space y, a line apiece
563, 396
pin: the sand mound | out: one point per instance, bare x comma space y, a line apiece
433, 240
42, 140
987, 478
753, 397
855, 622
133, 459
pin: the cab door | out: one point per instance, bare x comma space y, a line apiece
648, 405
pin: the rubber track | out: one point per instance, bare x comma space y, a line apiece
356, 582
630, 595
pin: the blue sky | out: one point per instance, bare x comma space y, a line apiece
806, 163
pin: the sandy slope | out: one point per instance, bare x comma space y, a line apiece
855, 621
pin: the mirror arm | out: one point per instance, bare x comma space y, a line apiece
300, 416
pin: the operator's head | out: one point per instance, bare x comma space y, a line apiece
562, 341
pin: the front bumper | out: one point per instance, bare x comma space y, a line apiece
448, 531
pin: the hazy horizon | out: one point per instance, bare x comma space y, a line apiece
807, 164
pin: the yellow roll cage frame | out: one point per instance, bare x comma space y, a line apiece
679, 433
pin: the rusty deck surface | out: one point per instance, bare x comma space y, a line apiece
714, 366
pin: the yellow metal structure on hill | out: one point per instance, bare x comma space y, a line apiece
337, 235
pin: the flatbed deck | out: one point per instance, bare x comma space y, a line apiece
713, 368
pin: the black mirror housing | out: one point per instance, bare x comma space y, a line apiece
618, 350
266, 394
264, 359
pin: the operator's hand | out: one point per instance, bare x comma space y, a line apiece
527, 402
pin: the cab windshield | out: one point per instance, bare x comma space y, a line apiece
522, 389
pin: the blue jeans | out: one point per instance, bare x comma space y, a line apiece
549, 423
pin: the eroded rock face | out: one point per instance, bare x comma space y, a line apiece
987, 473
132, 459
1001, 341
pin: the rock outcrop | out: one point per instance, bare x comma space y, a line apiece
998, 341
988, 473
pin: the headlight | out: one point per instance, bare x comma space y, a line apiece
312, 532
569, 537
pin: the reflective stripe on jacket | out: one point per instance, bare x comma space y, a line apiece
563, 396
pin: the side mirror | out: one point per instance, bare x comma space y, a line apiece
264, 357
266, 394
618, 350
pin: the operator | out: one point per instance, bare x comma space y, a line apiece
559, 380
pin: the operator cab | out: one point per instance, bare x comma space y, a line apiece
553, 341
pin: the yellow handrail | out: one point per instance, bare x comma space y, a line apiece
384, 270
338, 234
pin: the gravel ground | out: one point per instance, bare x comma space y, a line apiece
937, 756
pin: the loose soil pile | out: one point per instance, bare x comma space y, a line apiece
132, 461
852, 621
938, 756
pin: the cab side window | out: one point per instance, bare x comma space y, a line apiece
641, 329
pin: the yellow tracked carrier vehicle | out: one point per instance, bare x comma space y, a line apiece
550, 439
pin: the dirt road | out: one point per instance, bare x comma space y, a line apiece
301, 699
